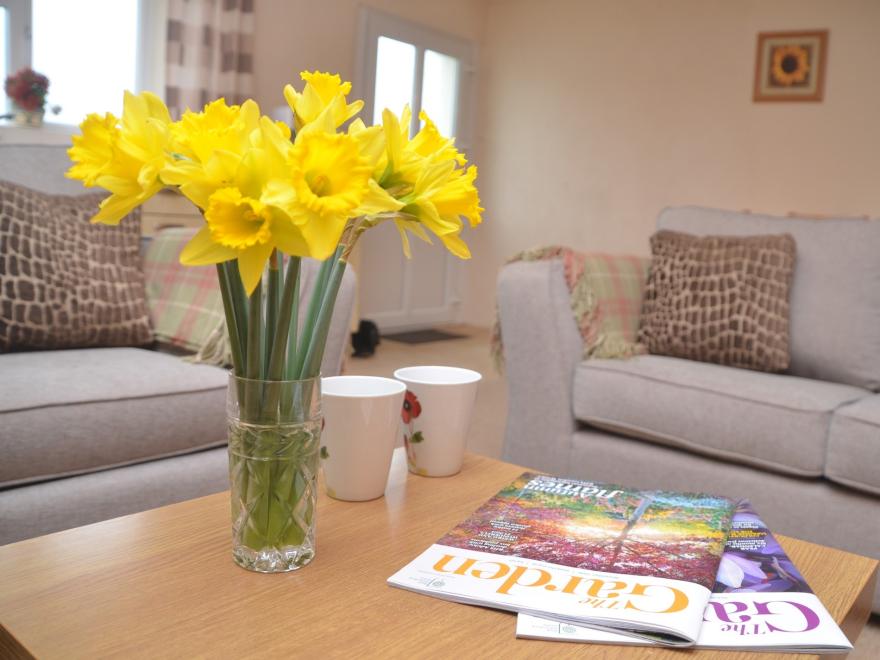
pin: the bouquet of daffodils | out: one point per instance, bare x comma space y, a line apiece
270, 198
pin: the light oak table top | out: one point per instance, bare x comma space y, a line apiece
162, 584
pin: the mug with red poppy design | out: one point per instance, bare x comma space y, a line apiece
436, 415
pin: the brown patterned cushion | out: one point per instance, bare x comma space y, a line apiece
721, 299
64, 282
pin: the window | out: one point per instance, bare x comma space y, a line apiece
403, 63
91, 50
4, 42
408, 64
395, 72
90, 76
14, 30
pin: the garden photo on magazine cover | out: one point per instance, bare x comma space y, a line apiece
615, 529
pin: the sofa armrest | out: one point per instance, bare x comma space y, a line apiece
542, 347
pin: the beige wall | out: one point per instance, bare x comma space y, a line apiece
598, 113
595, 114
297, 35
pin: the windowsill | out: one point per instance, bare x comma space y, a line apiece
50, 134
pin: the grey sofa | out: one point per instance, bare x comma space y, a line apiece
803, 446
91, 434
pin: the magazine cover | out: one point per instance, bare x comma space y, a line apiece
638, 562
759, 602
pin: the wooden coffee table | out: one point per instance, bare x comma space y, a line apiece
162, 584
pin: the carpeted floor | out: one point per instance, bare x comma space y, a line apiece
487, 428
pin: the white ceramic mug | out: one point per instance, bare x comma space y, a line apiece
361, 422
436, 417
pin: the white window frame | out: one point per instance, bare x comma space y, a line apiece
150, 52
372, 25
375, 24
18, 55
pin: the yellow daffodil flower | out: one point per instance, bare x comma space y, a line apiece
123, 157
218, 127
429, 142
423, 174
92, 151
321, 91
229, 182
328, 180
242, 228
260, 192
210, 146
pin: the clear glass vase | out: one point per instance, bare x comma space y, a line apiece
274, 430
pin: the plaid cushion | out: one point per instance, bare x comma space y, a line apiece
606, 300
184, 301
617, 284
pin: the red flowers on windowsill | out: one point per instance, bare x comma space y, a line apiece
27, 89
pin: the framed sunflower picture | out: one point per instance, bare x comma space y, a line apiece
790, 66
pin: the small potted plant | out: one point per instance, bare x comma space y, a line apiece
28, 90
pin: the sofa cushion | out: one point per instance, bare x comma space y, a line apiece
772, 421
78, 411
835, 293
68, 283
721, 299
854, 445
184, 301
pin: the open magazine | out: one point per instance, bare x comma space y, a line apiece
640, 563
760, 602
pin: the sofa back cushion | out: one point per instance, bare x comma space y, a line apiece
67, 283
835, 293
39, 167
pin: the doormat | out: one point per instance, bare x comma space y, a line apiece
422, 336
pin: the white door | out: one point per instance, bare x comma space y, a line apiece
408, 64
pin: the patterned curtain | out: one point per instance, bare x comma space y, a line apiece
209, 52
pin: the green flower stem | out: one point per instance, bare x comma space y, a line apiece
287, 403
260, 486
239, 307
235, 344
273, 297
274, 447
278, 352
284, 317
279, 291
273, 467
314, 307
294, 318
254, 354
318, 340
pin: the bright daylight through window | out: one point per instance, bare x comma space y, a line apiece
424, 79
88, 50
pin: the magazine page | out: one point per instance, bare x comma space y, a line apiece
638, 562
760, 601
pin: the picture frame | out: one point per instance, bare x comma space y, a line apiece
790, 66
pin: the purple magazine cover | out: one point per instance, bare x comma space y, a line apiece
753, 560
